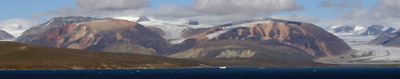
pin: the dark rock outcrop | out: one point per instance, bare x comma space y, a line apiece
193, 22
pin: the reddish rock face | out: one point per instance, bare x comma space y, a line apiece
98, 35
54, 22
308, 37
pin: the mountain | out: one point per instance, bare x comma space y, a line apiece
5, 35
387, 39
286, 38
244, 49
54, 22
377, 30
109, 35
359, 34
21, 56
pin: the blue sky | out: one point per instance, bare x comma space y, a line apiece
29, 8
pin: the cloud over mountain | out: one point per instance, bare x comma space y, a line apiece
17, 26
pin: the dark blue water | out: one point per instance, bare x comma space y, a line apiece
212, 73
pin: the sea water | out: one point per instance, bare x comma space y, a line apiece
212, 73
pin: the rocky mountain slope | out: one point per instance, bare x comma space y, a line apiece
388, 39
245, 49
5, 35
54, 22
297, 35
108, 35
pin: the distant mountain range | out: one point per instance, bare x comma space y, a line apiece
359, 34
372, 30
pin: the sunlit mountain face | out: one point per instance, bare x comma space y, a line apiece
212, 39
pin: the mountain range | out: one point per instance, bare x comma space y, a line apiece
252, 42
116, 35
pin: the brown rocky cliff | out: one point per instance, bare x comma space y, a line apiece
305, 36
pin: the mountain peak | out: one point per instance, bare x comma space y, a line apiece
143, 18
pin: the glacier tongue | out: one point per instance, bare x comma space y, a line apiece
375, 53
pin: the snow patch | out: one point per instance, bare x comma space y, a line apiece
336, 26
358, 28
177, 41
49, 22
129, 18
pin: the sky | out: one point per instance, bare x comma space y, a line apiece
31, 8
324, 13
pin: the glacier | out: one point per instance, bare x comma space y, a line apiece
173, 29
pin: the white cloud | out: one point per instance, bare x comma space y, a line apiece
112, 4
102, 8
244, 6
17, 26
202, 10
384, 12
